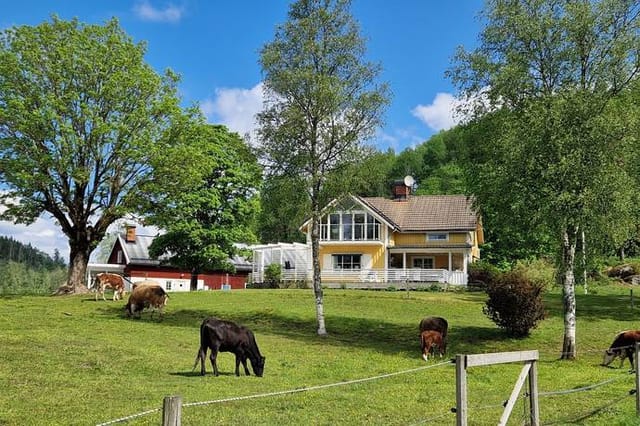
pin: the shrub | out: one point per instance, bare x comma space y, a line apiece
273, 275
538, 270
481, 273
515, 302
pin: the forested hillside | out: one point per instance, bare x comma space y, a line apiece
15, 251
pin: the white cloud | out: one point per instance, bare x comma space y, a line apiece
236, 108
147, 12
440, 114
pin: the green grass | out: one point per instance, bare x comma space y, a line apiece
74, 361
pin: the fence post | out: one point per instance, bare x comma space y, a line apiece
637, 349
461, 390
172, 411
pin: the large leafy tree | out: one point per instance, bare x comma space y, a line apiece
550, 70
322, 102
81, 114
203, 210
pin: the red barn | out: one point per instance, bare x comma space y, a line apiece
130, 256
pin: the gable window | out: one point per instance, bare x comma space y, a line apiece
349, 226
346, 261
437, 236
119, 257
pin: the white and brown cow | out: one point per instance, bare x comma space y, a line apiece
623, 346
146, 294
106, 280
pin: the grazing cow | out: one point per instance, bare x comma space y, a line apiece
623, 346
146, 294
438, 324
429, 340
226, 336
106, 280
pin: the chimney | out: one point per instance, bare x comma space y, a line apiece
130, 235
400, 190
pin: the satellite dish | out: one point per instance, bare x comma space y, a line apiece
409, 181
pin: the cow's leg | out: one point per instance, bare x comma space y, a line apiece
212, 357
630, 356
242, 358
203, 356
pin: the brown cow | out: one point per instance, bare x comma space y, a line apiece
106, 280
623, 346
429, 340
146, 294
438, 324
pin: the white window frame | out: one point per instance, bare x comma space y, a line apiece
336, 264
431, 236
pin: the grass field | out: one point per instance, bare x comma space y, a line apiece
74, 361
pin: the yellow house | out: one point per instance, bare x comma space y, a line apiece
410, 238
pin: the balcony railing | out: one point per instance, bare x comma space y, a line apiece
390, 275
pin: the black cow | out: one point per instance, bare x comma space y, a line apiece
226, 336
623, 346
438, 324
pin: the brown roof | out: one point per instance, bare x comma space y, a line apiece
425, 212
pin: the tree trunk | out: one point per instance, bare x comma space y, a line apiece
78, 260
583, 248
569, 293
317, 282
193, 283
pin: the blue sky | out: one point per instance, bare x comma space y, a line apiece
213, 45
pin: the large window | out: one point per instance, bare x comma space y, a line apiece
346, 261
349, 226
423, 262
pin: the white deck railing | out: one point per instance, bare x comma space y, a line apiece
390, 275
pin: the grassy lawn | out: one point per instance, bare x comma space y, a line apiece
74, 361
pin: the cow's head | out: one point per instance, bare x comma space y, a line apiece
258, 365
608, 357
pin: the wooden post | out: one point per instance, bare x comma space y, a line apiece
533, 395
637, 348
172, 411
461, 390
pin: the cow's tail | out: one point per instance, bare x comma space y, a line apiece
198, 359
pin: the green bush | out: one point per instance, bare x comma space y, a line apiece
515, 302
273, 275
481, 273
538, 270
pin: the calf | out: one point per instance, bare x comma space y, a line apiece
438, 324
106, 280
226, 336
429, 340
147, 294
623, 346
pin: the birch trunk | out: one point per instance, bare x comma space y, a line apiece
569, 293
317, 283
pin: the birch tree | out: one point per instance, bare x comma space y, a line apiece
322, 103
547, 72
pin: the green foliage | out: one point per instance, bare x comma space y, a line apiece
515, 302
273, 275
209, 203
21, 279
81, 116
541, 271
